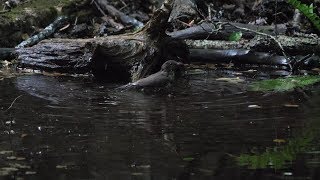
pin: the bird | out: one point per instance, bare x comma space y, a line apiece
169, 72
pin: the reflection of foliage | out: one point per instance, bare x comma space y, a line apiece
307, 11
285, 84
278, 156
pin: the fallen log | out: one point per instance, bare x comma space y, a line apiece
238, 56
221, 31
48, 31
291, 45
123, 57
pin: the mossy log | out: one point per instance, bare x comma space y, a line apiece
122, 57
291, 45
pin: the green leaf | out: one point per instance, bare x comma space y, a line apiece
284, 84
311, 8
235, 36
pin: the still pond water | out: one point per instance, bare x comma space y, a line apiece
66, 128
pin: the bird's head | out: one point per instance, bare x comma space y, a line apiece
173, 67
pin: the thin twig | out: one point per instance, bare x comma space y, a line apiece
98, 7
13, 103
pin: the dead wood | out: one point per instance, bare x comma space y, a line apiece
115, 13
122, 57
238, 56
291, 45
222, 31
185, 9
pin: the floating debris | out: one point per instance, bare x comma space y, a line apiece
231, 80
291, 105
136, 174
279, 140
5, 152
255, 106
62, 167
30, 172
11, 158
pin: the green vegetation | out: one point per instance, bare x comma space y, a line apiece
284, 84
34, 7
307, 11
235, 36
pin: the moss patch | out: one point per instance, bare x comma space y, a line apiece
285, 84
27, 18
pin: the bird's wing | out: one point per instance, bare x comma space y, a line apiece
154, 80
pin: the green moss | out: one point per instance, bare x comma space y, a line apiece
27, 17
37, 6
285, 84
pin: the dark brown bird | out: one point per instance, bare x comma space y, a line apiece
169, 72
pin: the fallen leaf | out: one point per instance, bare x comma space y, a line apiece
20, 166
64, 28
9, 169
24, 135
136, 174
6, 152
61, 167
279, 140
231, 80
254, 106
20, 159
11, 158
30, 172
291, 105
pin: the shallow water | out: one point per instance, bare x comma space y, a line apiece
76, 128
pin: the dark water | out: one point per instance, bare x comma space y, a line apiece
74, 128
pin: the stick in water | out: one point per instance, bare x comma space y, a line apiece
13, 103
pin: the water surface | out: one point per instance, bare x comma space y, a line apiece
76, 128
